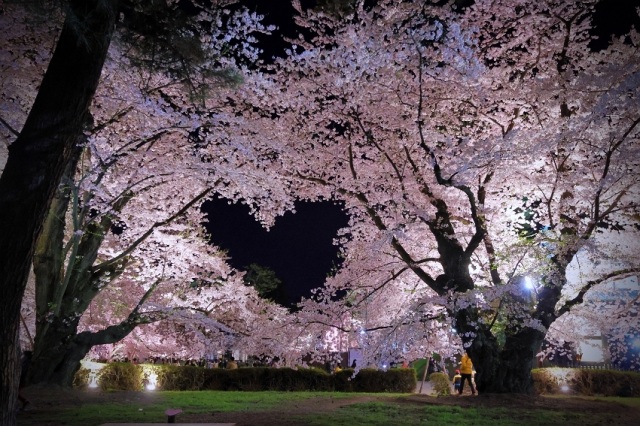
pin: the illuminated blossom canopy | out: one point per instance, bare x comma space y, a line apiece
475, 150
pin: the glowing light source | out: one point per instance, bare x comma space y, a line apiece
563, 377
94, 369
93, 379
529, 284
152, 380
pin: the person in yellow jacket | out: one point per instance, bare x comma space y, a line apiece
466, 371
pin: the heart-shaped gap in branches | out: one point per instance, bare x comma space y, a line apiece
298, 248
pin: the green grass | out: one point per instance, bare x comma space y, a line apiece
207, 401
379, 414
630, 402
388, 409
188, 401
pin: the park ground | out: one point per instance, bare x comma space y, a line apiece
73, 407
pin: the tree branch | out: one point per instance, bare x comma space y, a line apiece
149, 231
8, 126
590, 284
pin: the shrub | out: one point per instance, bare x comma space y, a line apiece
544, 382
402, 380
120, 376
81, 378
315, 379
586, 382
369, 380
441, 383
125, 376
343, 380
174, 377
216, 379
254, 379
606, 383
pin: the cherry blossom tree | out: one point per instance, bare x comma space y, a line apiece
473, 153
125, 216
434, 125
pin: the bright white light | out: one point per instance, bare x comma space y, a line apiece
564, 388
94, 368
528, 283
93, 382
363, 332
153, 380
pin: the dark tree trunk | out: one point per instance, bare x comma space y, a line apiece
56, 356
505, 369
63, 349
37, 160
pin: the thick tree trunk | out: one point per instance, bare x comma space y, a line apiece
56, 356
510, 372
59, 352
505, 369
37, 160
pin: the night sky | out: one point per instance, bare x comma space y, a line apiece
299, 248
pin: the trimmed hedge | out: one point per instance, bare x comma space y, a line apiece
398, 380
544, 382
174, 377
586, 382
125, 376
120, 376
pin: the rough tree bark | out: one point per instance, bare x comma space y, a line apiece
36, 163
500, 368
63, 290
69, 276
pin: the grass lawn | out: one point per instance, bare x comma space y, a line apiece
376, 413
324, 409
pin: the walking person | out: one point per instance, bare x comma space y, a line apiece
466, 373
456, 381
